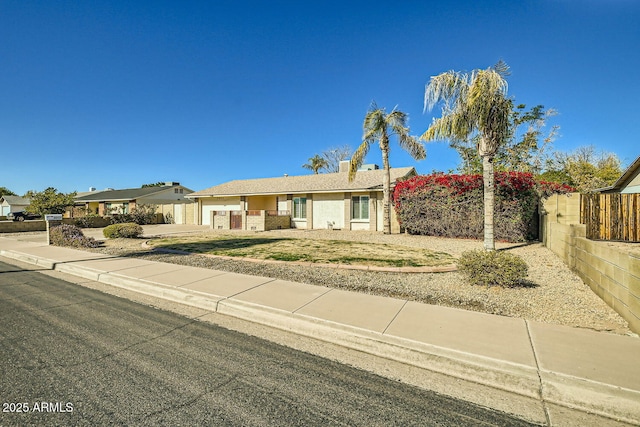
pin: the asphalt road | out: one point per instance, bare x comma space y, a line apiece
71, 356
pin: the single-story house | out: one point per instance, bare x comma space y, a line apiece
13, 204
629, 181
317, 201
108, 201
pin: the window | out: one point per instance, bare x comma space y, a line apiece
116, 208
360, 207
299, 208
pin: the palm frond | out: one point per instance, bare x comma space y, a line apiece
358, 158
449, 88
502, 68
412, 146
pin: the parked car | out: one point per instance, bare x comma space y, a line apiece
21, 216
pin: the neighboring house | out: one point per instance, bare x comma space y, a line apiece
308, 202
613, 213
110, 201
13, 204
629, 182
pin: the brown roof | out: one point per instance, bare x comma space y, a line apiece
320, 183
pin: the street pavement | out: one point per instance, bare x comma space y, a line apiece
76, 356
546, 374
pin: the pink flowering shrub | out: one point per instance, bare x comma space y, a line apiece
452, 205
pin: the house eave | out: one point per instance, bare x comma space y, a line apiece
343, 190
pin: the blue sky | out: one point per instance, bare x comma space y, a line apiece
124, 93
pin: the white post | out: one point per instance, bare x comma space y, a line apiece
48, 218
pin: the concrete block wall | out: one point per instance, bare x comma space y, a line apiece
255, 222
612, 271
220, 222
277, 222
25, 226
613, 274
21, 226
188, 213
259, 222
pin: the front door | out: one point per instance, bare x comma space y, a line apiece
236, 220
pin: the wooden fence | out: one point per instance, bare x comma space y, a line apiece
611, 216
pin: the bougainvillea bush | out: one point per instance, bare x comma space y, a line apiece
450, 205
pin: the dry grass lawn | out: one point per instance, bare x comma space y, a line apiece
307, 250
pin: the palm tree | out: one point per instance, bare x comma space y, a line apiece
315, 163
378, 125
476, 108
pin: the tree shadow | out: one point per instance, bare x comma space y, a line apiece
525, 283
520, 245
218, 244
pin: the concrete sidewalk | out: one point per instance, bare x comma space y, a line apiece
556, 369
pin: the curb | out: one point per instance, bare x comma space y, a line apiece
541, 386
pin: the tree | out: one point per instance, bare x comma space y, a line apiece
334, 155
525, 152
4, 191
380, 126
475, 107
315, 164
525, 149
584, 169
49, 201
155, 184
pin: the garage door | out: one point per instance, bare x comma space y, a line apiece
218, 205
328, 208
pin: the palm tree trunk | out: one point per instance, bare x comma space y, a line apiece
386, 192
489, 198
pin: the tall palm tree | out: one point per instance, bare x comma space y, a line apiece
476, 108
315, 163
379, 126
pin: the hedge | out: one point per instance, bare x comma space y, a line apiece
450, 205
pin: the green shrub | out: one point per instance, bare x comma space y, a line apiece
141, 214
492, 268
126, 230
70, 235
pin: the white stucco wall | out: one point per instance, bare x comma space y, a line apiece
631, 189
6, 208
299, 223
328, 207
282, 203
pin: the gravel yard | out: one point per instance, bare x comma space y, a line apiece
554, 295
